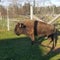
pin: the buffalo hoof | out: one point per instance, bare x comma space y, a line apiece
32, 42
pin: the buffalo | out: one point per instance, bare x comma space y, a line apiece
34, 28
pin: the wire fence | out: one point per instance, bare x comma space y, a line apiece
19, 11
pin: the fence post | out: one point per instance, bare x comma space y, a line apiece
8, 28
31, 12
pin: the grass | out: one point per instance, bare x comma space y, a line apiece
13, 47
17, 48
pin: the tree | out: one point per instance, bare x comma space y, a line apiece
14, 7
3, 12
26, 8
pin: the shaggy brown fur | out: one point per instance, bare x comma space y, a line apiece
30, 27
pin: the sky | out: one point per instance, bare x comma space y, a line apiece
39, 2
56, 2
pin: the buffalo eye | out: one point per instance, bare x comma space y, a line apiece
22, 25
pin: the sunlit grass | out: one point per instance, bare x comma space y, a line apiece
57, 57
9, 34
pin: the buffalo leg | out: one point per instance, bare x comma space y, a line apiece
55, 38
51, 37
52, 40
32, 38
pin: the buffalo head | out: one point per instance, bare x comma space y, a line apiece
19, 28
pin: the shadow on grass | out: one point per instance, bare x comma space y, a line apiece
52, 53
21, 49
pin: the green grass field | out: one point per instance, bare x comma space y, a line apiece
13, 47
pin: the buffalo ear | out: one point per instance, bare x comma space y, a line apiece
22, 25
